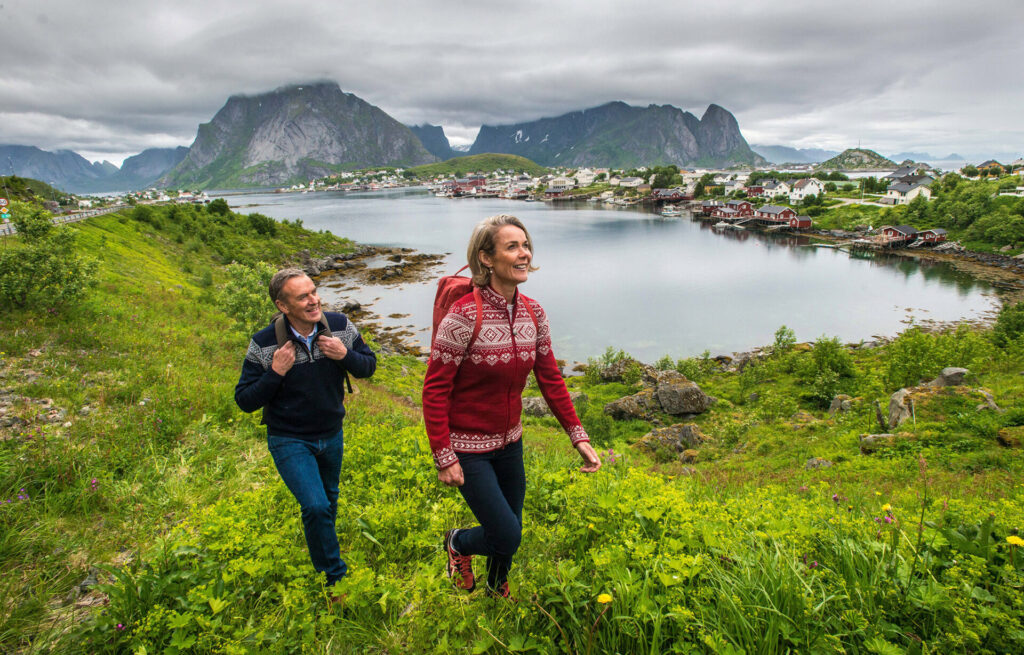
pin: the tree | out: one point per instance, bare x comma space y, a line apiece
970, 170
219, 206
43, 269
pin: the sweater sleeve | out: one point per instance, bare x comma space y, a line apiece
360, 361
446, 354
258, 382
551, 383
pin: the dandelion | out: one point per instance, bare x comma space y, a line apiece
604, 599
1014, 540
887, 507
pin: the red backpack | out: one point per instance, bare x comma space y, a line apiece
452, 288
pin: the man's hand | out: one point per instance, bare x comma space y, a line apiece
452, 476
284, 357
591, 462
331, 347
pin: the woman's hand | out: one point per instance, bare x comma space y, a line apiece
591, 462
452, 476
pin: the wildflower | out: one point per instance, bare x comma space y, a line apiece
887, 507
814, 564
120, 626
802, 488
835, 498
604, 599
888, 519
1014, 540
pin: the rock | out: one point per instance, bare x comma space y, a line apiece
678, 395
86, 410
803, 347
802, 417
673, 439
350, 306
753, 398
841, 403
90, 581
1006, 249
815, 463
688, 456
870, 443
951, 376
12, 422
990, 402
1011, 437
898, 410
615, 371
688, 471
56, 416
639, 405
537, 406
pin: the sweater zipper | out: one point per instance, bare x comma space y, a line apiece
515, 366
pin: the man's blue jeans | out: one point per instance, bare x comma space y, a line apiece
311, 470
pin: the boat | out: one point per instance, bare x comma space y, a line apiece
670, 210
721, 225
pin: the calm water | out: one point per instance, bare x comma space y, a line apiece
629, 279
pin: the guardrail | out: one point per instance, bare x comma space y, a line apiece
7, 229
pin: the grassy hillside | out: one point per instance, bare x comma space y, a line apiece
129, 455
26, 189
485, 163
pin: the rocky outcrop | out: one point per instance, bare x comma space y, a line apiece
536, 406
815, 463
679, 441
950, 377
666, 391
617, 370
841, 403
870, 443
898, 409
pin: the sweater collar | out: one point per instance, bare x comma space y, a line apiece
495, 298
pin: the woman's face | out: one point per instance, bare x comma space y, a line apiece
510, 264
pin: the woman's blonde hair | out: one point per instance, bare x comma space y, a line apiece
483, 239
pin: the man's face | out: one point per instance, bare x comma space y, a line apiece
299, 302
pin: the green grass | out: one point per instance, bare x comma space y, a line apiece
200, 544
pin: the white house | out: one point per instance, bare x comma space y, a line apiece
631, 182
775, 189
585, 176
733, 185
561, 184
902, 193
804, 187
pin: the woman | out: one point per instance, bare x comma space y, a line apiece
472, 400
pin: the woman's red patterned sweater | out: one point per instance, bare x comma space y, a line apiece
472, 401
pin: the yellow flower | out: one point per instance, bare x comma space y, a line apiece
887, 507
604, 599
1013, 540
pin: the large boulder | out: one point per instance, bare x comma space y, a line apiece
1011, 437
870, 443
678, 395
615, 371
951, 376
537, 406
639, 405
674, 441
841, 403
898, 410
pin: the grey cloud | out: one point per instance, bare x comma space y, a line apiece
115, 77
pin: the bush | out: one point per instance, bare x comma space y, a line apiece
1009, 324
43, 269
827, 370
263, 224
917, 355
219, 207
785, 339
244, 296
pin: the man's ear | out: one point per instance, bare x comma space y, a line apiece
280, 306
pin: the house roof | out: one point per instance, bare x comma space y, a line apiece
773, 209
902, 171
801, 183
905, 229
935, 230
986, 164
904, 187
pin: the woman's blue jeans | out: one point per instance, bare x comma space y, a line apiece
494, 489
311, 470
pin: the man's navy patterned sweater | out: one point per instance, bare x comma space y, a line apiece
307, 402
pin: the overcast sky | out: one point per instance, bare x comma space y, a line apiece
109, 78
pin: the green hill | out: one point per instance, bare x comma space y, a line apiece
28, 190
121, 448
484, 163
856, 158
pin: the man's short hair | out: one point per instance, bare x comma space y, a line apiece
280, 278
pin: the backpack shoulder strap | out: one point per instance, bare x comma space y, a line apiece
280, 330
325, 327
479, 316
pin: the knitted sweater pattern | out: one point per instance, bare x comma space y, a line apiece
472, 399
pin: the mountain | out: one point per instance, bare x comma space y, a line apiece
434, 140
63, 168
69, 170
788, 155
142, 170
855, 158
294, 133
622, 136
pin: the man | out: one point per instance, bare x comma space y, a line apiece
300, 386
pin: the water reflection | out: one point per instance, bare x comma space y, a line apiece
634, 280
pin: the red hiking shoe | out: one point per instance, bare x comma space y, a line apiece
460, 567
501, 592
